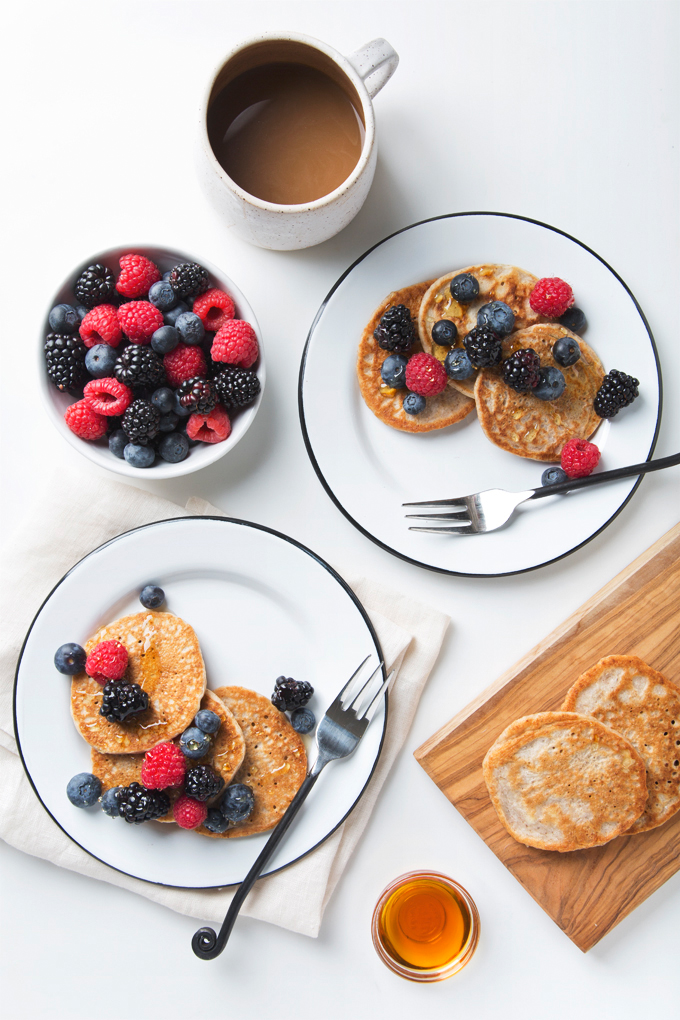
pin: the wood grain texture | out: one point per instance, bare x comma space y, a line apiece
586, 892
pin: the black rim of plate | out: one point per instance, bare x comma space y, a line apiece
308, 444
224, 520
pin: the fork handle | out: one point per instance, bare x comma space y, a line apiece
607, 476
205, 943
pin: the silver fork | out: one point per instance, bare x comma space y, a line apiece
486, 511
337, 736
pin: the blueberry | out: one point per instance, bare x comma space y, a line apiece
497, 316
168, 422
190, 328
162, 295
393, 370
166, 276
139, 456
100, 361
70, 659
566, 351
164, 340
109, 802
82, 311
117, 443
84, 789
207, 721
303, 720
174, 447
215, 821
444, 333
464, 288
458, 365
573, 319
171, 317
238, 802
194, 743
551, 384
64, 319
553, 475
177, 408
151, 596
413, 403
163, 399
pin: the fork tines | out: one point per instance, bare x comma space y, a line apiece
361, 697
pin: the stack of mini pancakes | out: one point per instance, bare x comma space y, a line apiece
255, 743
607, 764
517, 422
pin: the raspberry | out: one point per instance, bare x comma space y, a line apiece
236, 344
183, 363
425, 375
107, 396
137, 273
84, 422
189, 813
164, 765
214, 309
107, 661
551, 296
209, 428
139, 320
101, 326
579, 457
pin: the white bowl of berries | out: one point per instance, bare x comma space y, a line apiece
151, 360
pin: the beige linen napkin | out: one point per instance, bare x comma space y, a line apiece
59, 531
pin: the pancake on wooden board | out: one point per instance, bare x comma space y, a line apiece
509, 284
165, 660
563, 781
623, 692
446, 408
227, 751
275, 762
538, 429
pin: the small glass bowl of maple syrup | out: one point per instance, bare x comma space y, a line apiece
425, 926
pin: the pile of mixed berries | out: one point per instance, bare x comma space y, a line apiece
425, 376
158, 362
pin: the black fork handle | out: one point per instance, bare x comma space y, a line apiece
607, 476
205, 943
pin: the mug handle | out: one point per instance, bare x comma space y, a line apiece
375, 63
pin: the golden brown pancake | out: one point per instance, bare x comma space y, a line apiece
496, 283
563, 781
275, 762
623, 692
538, 429
165, 660
446, 408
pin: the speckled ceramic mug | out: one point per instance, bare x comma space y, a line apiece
285, 227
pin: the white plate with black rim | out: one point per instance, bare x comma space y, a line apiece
262, 605
369, 469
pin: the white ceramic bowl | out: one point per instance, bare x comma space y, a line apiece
56, 402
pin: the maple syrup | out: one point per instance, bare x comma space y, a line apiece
425, 926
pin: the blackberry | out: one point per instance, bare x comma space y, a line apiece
65, 360
236, 387
395, 331
141, 422
94, 286
121, 699
188, 279
136, 804
197, 394
289, 694
617, 391
522, 369
483, 346
202, 783
139, 367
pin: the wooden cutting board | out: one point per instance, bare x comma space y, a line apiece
586, 892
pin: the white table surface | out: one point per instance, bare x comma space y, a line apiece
566, 112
